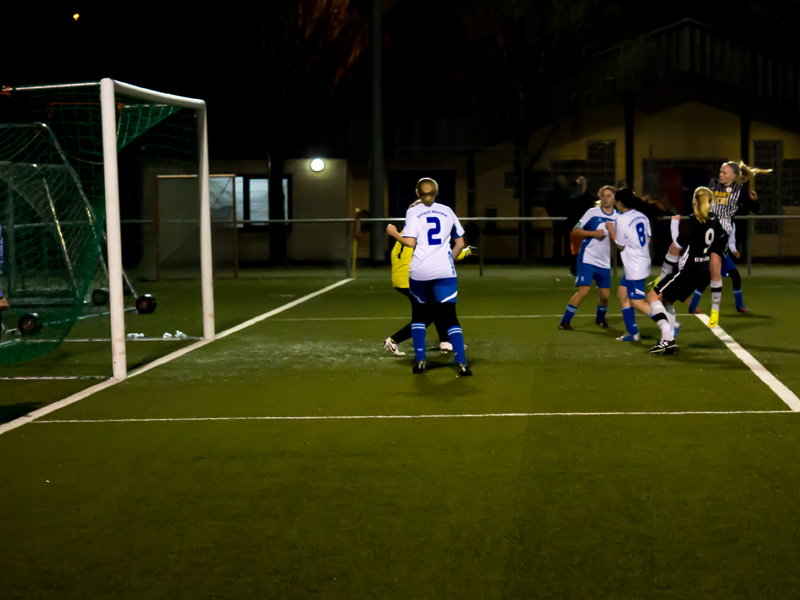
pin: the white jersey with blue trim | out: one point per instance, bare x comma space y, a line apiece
595, 251
433, 227
633, 233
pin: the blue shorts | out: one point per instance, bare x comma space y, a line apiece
727, 265
587, 273
635, 288
443, 290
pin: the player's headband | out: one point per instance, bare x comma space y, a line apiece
733, 166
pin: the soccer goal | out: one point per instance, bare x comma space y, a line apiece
79, 209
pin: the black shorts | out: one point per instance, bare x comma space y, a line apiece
681, 285
720, 246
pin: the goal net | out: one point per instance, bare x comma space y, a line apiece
91, 270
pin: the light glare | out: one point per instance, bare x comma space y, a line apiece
317, 165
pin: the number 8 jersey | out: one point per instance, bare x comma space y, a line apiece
433, 227
633, 233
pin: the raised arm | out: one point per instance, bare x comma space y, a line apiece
406, 241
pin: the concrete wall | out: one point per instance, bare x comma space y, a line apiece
691, 131
322, 195
686, 132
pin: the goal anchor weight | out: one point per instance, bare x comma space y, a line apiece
100, 297
29, 324
145, 304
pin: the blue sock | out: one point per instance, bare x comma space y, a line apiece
568, 314
630, 320
418, 336
695, 301
457, 339
601, 313
739, 301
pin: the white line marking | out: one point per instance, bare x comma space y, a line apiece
169, 357
558, 316
54, 377
783, 392
464, 416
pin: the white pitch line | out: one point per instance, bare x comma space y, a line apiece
461, 416
558, 316
169, 357
783, 392
51, 377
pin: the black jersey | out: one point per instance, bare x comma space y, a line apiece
725, 202
698, 241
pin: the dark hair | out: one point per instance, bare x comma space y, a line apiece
628, 199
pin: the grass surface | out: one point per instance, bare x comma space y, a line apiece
479, 507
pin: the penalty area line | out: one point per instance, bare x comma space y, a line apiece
24, 420
784, 393
399, 417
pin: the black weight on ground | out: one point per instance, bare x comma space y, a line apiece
145, 304
100, 297
29, 324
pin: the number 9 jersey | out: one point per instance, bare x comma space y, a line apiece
633, 233
433, 227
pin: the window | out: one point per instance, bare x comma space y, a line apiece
601, 164
791, 182
768, 154
252, 200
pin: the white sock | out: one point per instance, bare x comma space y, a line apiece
716, 294
670, 308
660, 316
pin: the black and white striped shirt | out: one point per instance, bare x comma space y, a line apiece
725, 202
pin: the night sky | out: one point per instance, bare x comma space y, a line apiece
264, 79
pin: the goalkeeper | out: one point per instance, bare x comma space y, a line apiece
401, 261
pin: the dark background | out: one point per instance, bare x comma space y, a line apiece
275, 78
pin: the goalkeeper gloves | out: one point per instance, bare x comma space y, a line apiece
468, 251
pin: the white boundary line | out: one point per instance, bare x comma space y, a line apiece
24, 420
457, 416
460, 317
783, 392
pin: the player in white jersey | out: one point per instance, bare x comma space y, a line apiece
428, 229
632, 236
594, 258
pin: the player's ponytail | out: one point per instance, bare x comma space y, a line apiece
703, 197
628, 199
745, 173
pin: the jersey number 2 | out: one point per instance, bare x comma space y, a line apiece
642, 235
437, 228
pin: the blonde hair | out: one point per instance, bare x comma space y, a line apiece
745, 173
703, 196
435, 190
428, 180
611, 188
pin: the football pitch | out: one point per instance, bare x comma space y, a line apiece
296, 458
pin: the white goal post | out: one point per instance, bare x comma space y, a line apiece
108, 89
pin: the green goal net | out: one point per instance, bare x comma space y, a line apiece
55, 270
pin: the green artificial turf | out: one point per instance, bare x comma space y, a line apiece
447, 506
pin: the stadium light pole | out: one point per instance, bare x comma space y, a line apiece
377, 239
